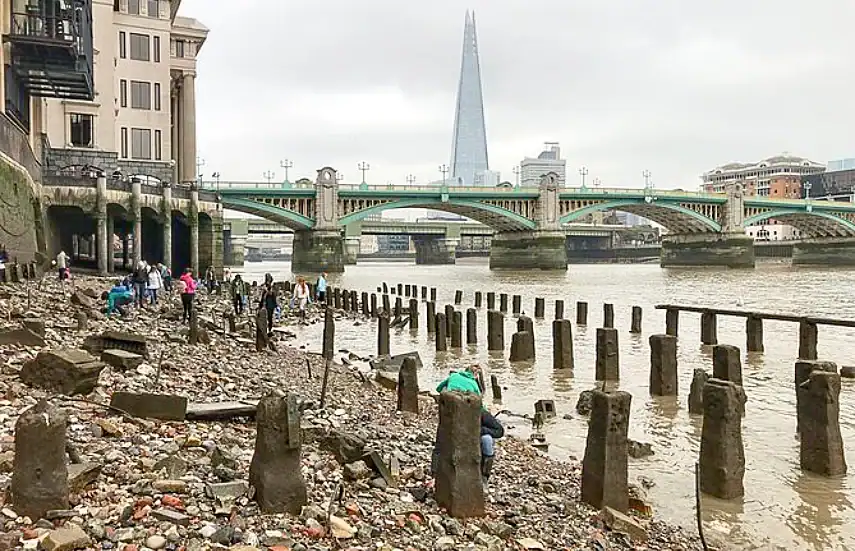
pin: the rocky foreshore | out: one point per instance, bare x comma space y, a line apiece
148, 484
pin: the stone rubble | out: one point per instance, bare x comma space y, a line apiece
142, 483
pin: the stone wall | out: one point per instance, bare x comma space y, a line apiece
57, 161
528, 251
21, 224
731, 250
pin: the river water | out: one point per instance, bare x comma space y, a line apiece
783, 508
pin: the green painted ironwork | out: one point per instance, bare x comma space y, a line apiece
804, 211
616, 204
438, 203
299, 222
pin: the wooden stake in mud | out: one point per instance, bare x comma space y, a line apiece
328, 351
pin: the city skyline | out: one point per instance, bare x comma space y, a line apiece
625, 89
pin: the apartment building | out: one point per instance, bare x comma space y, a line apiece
141, 121
779, 176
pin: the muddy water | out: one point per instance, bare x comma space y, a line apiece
783, 508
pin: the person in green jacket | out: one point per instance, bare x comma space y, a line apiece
238, 294
465, 380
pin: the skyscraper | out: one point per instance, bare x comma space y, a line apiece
469, 148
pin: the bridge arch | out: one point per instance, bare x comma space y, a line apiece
286, 217
809, 222
498, 218
675, 218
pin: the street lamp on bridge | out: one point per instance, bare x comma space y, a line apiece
597, 183
411, 179
286, 164
517, 174
364, 167
443, 169
216, 177
647, 176
269, 176
200, 162
583, 172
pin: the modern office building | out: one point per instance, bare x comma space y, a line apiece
142, 118
837, 183
469, 145
549, 160
779, 176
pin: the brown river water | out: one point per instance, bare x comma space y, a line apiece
783, 508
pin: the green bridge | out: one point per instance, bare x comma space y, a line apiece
528, 223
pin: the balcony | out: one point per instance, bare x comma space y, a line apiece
51, 48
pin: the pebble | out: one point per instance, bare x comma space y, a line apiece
155, 542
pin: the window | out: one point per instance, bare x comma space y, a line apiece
157, 96
123, 93
124, 145
140, 95
123, 47
156, 48
153, 8
134, 7
157, 145
81, 130
140, 143
179, 48
140, 47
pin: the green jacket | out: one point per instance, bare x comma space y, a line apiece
462, 381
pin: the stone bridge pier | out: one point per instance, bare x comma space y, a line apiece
433, 249
543, 247
321, 248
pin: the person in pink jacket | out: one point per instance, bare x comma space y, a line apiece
187, 287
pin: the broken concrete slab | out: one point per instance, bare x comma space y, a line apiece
36, 325
121, 340
121, 359
215, 411
66, 371
165, 407
392, 364
21, 336
82, 300
81, 475
376, 463
619, 522
168, 515
67, 538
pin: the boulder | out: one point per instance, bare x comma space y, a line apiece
82, 300
21, 336
121, 359
66, 371
847, 372
346, 447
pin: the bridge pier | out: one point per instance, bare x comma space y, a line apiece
731, 250
534, 250
824, 252
435, 250
317, 251
351, 250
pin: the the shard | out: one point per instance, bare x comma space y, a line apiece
469, 149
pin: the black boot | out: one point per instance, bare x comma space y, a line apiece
486, 469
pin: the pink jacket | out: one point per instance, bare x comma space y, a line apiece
190, 282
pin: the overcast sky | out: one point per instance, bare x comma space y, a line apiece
673, 86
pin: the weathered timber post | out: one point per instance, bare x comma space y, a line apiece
400, 289
345, 300
433, 294
366, 306
696, 391
424, 293
478, 297
39, 472
327, 350
414, 314
495, 330
408, 386
385, 288
821, 446
722, 460
383, 334
354, 301
635, 325
471, 326
608, 355
709, 333
608, 315
803, 370
559, 309
457, 329
516, 305
539, 307
503, 303
458, 474
807, 340
337, 298
525, 323
522, 347
387, 308
275, 471
441, 332
399, 306
458, 297
497, 388
604, 467
727, 366
491, 300
672, 321
431, 317
261, 339
562, 344
754, 333
663, 365
581, 313
373, 305
449, 319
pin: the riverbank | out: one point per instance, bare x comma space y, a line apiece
154, 486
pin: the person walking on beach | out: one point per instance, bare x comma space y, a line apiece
187, 288
321, 288
155, 283
301, 294
269, 300
165, 277
140, 282
210, 279
62, 265
238, 294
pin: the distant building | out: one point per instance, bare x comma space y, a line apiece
487, 178
835, 184
779, 177
549, 160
